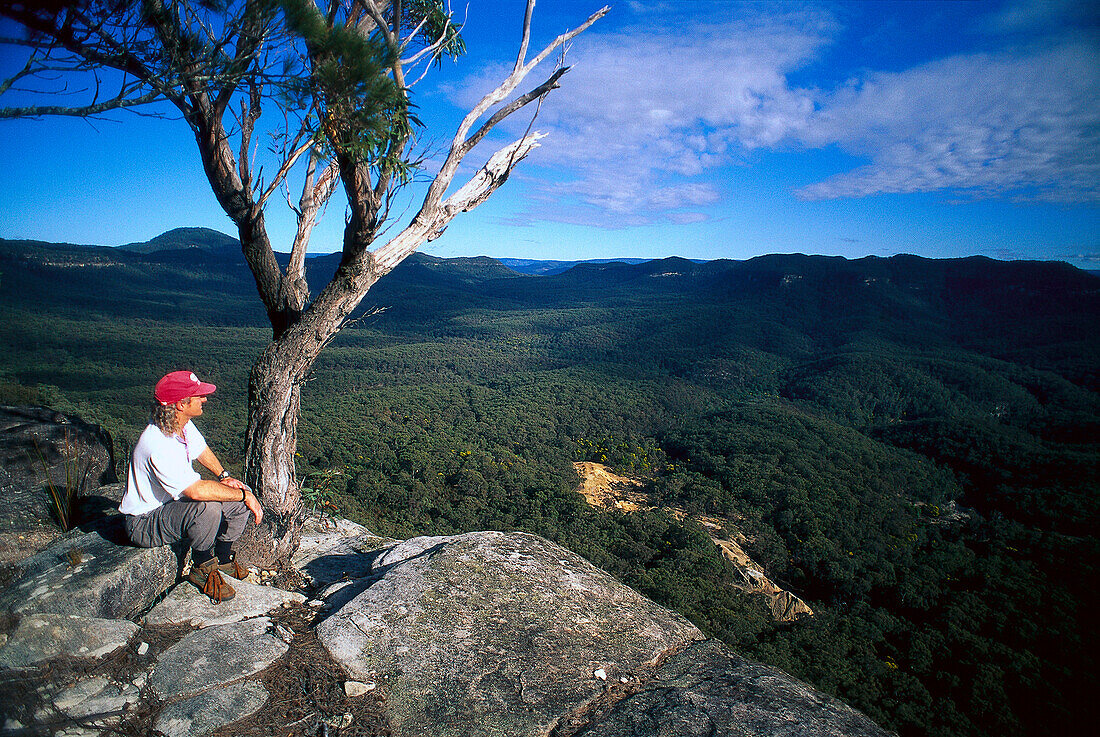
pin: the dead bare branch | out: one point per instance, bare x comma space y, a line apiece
525, 38
459, 147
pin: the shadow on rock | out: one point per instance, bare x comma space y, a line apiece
373, 566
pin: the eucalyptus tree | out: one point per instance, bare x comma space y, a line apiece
331, 82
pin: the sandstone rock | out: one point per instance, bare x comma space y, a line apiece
97, 701
708, 690
34, 442
101, 504
324, 532
215, 656
92, 574
477, 634
186, 604
202, 714
492, 633
41, 637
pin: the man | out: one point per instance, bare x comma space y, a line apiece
166, 501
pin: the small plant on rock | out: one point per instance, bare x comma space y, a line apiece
317, 490
63, 500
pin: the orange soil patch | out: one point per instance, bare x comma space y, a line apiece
603, 489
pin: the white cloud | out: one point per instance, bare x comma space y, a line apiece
647, 115
681, 98
1025, 126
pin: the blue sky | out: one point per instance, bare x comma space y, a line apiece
699, 128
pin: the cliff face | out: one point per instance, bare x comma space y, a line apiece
486, 633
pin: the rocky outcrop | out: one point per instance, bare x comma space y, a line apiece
333, 550
214, 656
41, 637
96, 702
37, 444
188, 605
486, 633
210, 710
521, 630
708, 690
91, 574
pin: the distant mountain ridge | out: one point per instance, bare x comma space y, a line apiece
220, 244
976, 301
184, 238
536, 267
179, 245
168, 245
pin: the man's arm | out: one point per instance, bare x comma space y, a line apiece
228, 490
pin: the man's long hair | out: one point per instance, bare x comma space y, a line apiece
164, 417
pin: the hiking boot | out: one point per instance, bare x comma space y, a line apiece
234, 569
209, 579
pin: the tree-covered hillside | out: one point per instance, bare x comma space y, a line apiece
909, 445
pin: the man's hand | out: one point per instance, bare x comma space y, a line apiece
250, 499
233, 483
251, 502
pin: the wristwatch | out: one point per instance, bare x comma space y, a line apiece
223, 475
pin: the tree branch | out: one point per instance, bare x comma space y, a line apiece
284, 168
458, 146
432, 222
26, 71
293, 288
519, 102
82, 111
525, 38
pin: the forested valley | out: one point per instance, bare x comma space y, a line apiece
909, 445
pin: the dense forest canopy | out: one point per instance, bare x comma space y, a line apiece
909, 445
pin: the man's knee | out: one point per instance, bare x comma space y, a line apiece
236, 517
206, 519
209, 510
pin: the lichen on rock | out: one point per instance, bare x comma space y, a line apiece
494, 633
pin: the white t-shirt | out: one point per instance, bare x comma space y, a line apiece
160, 468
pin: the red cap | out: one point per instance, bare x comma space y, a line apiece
180, 385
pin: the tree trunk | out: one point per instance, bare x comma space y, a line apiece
271, 437
271, 440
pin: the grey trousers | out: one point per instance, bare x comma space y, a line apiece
200, 524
